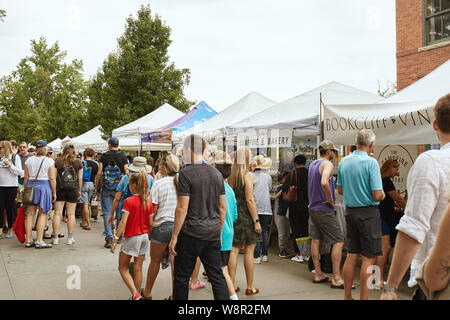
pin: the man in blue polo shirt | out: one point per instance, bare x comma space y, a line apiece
359, 181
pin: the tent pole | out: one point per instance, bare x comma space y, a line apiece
140, 145
321, 124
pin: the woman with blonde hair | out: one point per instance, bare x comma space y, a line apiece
164, 199
389, 216
10, 171
40, 174
247, 229
68, 190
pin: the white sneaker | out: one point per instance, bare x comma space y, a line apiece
55, 241
9, 235
305, 258
258, 260
70, 241
297, 259
264, 258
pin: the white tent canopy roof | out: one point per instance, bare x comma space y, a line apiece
431, 87
90, 139
55, 144
152, 121
303, 110
245, 107
404, 118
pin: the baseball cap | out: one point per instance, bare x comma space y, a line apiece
49, 149
113, 141
41, 143
328, 145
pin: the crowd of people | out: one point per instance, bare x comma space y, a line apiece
207, 208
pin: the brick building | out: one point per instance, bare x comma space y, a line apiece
423, 38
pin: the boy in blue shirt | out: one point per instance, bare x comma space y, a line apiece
223, 163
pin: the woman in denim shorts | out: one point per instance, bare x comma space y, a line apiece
164, 199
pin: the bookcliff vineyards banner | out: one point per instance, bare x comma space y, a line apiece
394, 123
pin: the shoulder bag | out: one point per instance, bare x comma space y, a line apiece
292, 194
28, 192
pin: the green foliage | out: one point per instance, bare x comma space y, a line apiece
44, 98
137, 78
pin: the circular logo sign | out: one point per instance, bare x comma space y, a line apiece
405, 161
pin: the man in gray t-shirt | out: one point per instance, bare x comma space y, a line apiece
199, 219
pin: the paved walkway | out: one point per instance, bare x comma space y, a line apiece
42, 274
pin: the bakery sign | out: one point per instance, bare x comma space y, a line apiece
405, 156
264, 138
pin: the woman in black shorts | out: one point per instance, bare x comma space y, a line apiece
65, 195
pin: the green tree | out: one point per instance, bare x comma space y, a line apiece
138, 77
44, 98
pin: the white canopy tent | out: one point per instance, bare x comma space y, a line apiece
90, 139
56, 144
245, 107
303, 111
404, 118
129, 134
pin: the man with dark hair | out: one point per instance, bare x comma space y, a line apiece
110, 159
427, 185
199, 219
298, 211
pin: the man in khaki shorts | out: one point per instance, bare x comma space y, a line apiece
323, 221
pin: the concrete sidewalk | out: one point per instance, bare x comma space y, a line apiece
28, 273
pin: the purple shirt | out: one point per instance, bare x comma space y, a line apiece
315, 193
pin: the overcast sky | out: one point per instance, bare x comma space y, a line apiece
279, 48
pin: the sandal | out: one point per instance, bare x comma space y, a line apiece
47, 236
86, 228
326, 279
198, 285
43, 245
237, 289
29, 244
250, 292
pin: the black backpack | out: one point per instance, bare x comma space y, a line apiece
68, 179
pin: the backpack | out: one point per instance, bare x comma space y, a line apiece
68, 179
111, 176
87, 172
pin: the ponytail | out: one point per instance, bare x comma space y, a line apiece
140, 180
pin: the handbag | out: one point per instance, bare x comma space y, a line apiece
28, 192
292, 194
19, 225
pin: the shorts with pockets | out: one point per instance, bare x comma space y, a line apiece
325, 226
363, 231
136, 245
87, 192
163, 233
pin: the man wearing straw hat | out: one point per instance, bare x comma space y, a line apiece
261, 192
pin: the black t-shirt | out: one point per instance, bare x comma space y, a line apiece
94, 165
204, 185
387, 206
115, 155
302, 188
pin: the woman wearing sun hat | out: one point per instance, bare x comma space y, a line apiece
40, 172
262, 187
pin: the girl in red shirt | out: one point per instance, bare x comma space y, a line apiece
137, 217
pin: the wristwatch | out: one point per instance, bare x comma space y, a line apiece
256, 220
386, 288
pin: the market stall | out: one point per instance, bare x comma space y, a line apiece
129, 135
90, 139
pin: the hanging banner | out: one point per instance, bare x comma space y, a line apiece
392, 123
163, 136
265, 138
